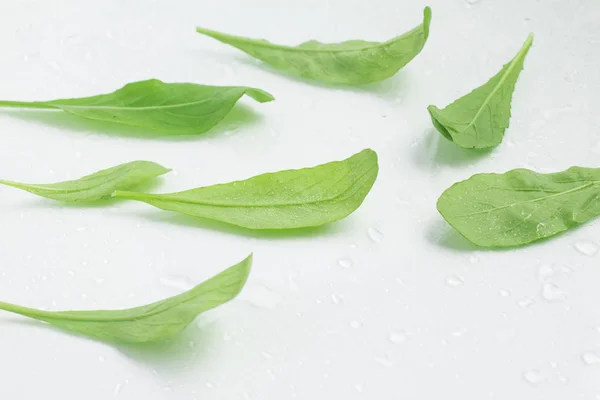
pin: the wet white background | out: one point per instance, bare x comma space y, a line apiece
388, 304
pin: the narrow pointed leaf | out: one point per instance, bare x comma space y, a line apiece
150, 323
279, 200
97, 186
350, 62
521, 206
479, 119
175, 108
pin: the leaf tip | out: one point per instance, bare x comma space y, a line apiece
245, 266
426, 21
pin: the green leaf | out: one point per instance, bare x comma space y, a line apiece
97, 186
175, 108
478, 120
280, 200
149, 323
350, 62
521, 206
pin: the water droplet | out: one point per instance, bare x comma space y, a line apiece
266, 355
345, 262
71, 273
191, 344
336, 298
397, 337
178, 282
292, 283
355, 324
545, 272
504, 292
81, 229
359, 387
591, 358
262, 296
352, 245
384, 360
101, 358
526, 302
375, 235
454, 280
539, 229
119, 387
551, 292
459, 332
99, 281
471, 2
534, 376
587, 248
210, 385
473, 259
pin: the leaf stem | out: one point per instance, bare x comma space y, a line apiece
124, 194
25, 104
26, 311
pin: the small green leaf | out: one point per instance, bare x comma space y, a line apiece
149, 323
521, 206
97, 186
279, 200
350, 62
175, 108
478, 120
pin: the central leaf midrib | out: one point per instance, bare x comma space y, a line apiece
233, 40
570, 191
511, 67
166, 197
126, 107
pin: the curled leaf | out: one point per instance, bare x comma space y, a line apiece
279, 200
174, 108
351, 62
150, 323
97, 186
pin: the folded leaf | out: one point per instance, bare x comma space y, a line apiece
176, 108
479, 119
279, 200
97, 186
350, 62
149, 323
521, 206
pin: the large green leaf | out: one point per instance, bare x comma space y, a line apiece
152, 322
479, 119
521, 206
350, 62
175, 108
97, 186
279, 200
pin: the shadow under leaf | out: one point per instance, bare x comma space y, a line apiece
437, 150
204, 223
389, 88
184, 348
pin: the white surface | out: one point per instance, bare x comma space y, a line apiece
419, 313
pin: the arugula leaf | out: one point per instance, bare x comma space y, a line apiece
350, 62
279, 200
478, 120
521, 206
176, 108
149, 323
97, 186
